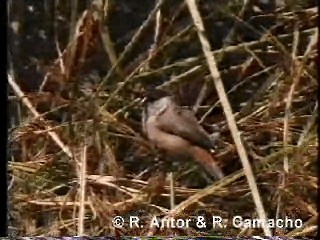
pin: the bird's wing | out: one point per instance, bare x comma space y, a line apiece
183, 123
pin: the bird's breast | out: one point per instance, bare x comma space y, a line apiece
170, 143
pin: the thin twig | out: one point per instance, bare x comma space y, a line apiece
127, 49
172, 190
198, 196
228, 112
309, 125
32, 109
231, 35
82, 187
201, 96
108, 44
296, 78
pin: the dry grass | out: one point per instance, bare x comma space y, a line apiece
82, 159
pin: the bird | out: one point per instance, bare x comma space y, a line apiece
176, 131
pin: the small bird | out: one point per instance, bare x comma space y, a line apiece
176, 131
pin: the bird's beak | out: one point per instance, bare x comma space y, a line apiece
143, 101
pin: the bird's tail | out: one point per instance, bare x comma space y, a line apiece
207, 161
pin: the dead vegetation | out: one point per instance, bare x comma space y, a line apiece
77, 156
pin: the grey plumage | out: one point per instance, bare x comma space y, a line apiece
177, 131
